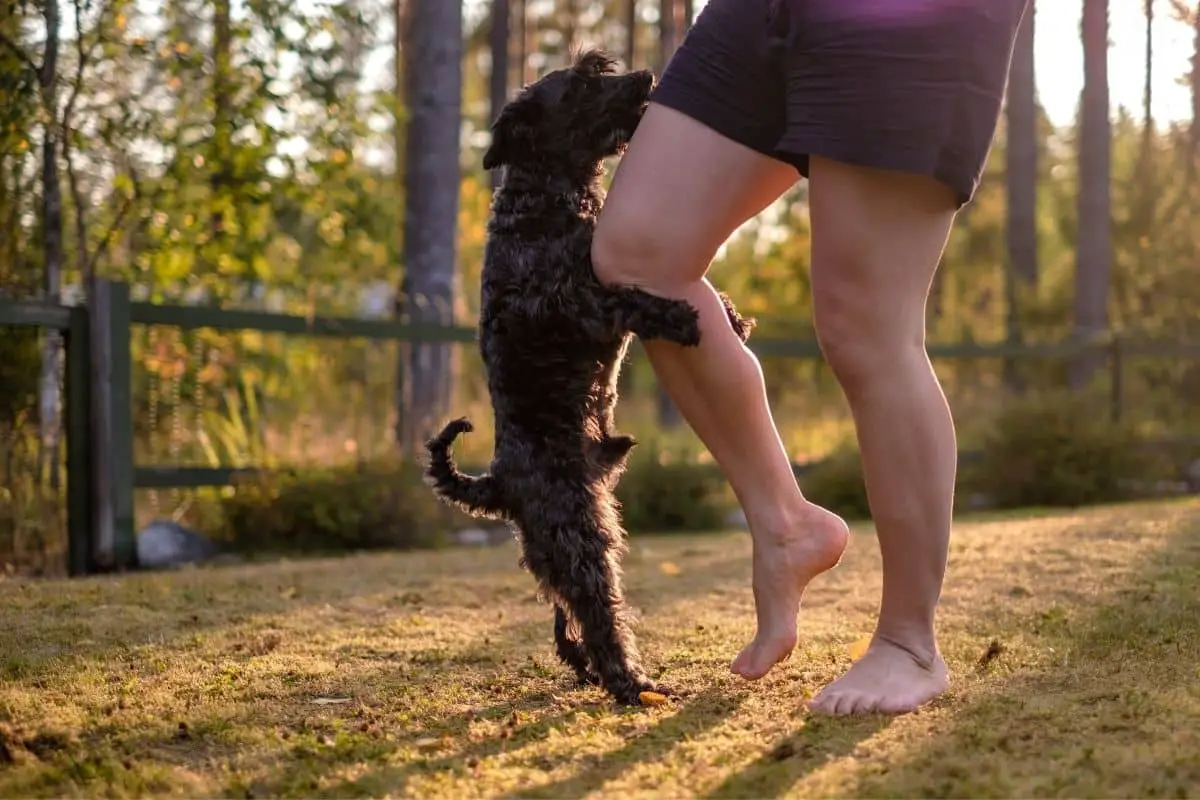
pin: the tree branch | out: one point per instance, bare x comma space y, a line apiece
81, 62
16, 50
116, 223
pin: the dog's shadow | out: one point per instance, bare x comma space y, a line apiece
699, 713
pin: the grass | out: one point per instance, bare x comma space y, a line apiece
1072, 637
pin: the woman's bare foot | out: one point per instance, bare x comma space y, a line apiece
783, 567
888, 679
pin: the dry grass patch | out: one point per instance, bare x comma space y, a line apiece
1072, 639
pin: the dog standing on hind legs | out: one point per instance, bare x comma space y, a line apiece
553, 338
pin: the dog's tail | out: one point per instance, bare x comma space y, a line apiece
478, 496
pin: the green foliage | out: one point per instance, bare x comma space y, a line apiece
1062, 450
667, 489
370, 505
836, 482
20, 360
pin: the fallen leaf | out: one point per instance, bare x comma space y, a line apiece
669, 568
994, 650
652, 698
330, 701
859, 649
782, 752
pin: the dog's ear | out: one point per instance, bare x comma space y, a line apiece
513, 133
595, 62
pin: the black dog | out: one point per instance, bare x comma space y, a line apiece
553, 339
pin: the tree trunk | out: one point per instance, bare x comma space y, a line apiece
568, 26
52, 233
631, 20
1195, 85
1148, 85
399, 55
433, 89
1146, 191
522, 44
1093, 251
667, 31
499, 77
1021, 175
222, 90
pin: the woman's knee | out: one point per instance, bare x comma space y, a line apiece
627, 251
680, 190
864, 335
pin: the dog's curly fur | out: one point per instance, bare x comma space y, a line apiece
553, 339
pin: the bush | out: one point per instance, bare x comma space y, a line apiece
1061, 450
671, 491
20, 371
836, 482
372, 505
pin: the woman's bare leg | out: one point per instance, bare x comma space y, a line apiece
680, 191
877, 239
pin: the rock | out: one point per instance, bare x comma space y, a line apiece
476, 537
1193, 476
165, 543
737, 519
482, 537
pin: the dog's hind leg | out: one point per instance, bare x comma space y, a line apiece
578, 564
569, 648
611, 452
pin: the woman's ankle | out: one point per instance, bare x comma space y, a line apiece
792, 522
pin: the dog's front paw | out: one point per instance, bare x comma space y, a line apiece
742, 326
676, 321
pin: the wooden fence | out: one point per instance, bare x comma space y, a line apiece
102, 475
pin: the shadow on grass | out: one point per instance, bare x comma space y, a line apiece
700, 713
72, 625
820, 740
288, 745
697, 714
1110, 710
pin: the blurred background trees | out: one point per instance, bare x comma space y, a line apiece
325, 158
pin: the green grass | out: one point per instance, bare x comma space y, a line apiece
1073, 639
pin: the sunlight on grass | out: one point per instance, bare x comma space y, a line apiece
1071, 638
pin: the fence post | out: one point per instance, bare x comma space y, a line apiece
114, 545
1116, 379
79, 463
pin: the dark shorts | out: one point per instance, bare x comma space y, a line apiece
908, 85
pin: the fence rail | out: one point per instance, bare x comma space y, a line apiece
102, 475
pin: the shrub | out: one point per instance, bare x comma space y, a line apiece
669, 490
20, 370
370, 505
836, 482
1061, 450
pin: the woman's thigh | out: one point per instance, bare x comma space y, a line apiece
702, 160
680, 191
